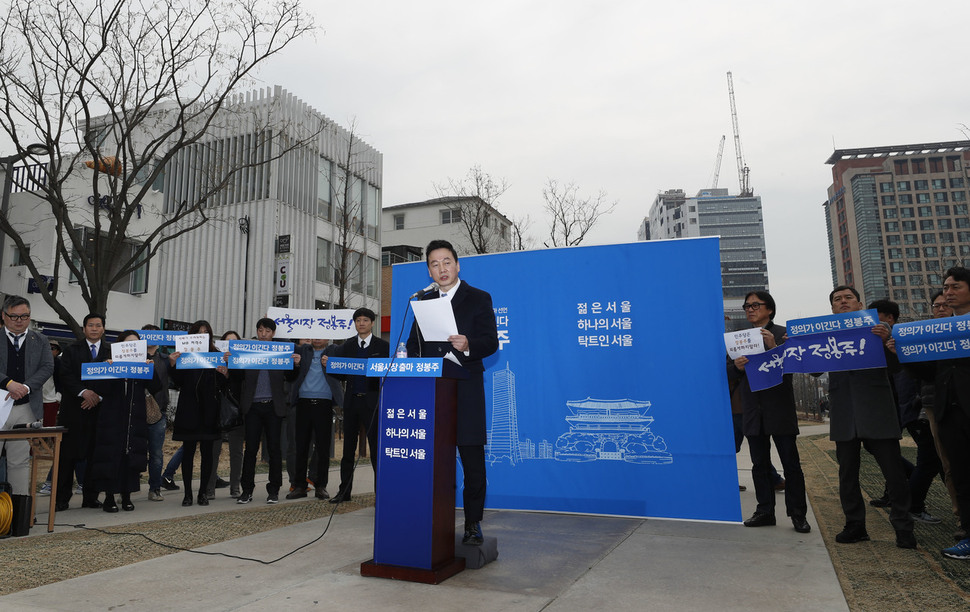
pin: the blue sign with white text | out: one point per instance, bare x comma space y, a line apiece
160, 337
603, 399
102, 370
260, 361
199, 361
833, 322
946, 338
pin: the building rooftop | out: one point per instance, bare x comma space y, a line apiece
927, 148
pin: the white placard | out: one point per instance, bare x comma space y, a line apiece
744, 342
192, 343
221, 345
134, 350
295, 323
6, 405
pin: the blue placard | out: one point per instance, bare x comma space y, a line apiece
260, 346
834, 322
102, 370
260, 361
946, 338
160, 337
847, 349
347, 366
601, 399
199, 361
766, 370
412, 367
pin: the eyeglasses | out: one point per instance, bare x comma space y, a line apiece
21, 317
940, 306
753, 305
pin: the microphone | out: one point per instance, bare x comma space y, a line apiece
427, 289
34, 425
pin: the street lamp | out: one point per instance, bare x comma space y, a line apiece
7, 163
244, 228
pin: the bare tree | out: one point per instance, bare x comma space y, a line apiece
474, 199
348, 196
572, 215
521, 240
134, 88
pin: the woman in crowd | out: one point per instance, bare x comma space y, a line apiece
233, 432
197, 414
121, 442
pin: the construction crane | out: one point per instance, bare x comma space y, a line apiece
717, 163
743, 170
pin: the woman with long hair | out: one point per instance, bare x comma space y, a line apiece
197, 414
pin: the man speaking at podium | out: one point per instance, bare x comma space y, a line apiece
477, 338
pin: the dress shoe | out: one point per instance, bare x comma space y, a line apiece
61, 506
340, 497
852, 534
780, 486
321, 493
881, 502
109, 505
800, 524
296, 493
169, 485
126, 505
202, 500
905, 539
187, 500
760, 519
221, 484
91, 503
473, 534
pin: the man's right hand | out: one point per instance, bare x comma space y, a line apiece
740, 361
89, 399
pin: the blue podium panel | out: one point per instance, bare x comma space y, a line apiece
404, 533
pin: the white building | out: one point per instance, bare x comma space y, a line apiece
713, 212
418, 223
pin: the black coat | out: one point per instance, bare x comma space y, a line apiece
200, 400
769, 411
476, 320
79, 439
121, 436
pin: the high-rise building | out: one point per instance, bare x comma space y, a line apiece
897, 218
738, 222
504, 437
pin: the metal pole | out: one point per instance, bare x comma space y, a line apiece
244, 228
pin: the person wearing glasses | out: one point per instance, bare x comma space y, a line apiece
26, 363
770, 414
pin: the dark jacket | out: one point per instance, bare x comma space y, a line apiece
378, 347
277, 382
769, 411
200, 400
306, 354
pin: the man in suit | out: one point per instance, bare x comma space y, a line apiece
477, 338
770, 414
26, 363
314, 393
79, 412
863, 413
360, 400
263, 405
951, 406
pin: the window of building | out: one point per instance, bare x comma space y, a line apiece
942, 211
922, 185
940, 196
898, 280
885, 187
948, 251
922, 198
929, 238
20, 257
953, 163
925, 211
325, 189
956, 182
916, 279
959, 209
909, 226
907, 212
926, 224
899, 294
372, 208
914, 266
450, 215
373, 276
893, 239
965, 249
944, 224
927, 251
399, 221
939, 183
936, 164
912, 252
959, 196
918, 166
963, 236
136, 281
918, 294
503, 231
892, 226
962, 222
356, 272
905, 198
324, 261
932, 265
901, 166
888, 200
895, 253
946, 237
889, 213
934, 280
895, 266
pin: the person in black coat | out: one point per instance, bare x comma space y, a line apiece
121, 436
197, 414
770, 414
477, 338
360, 400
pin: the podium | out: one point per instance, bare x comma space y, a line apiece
414, 526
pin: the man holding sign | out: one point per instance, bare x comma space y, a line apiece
863, 412
768, 414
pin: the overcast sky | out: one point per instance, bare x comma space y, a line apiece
631, 97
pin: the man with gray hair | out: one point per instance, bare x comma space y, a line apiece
26, 362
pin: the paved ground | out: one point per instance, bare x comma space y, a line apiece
546, 562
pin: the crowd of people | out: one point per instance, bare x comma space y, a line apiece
868, 408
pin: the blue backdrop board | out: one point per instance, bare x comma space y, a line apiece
608, 394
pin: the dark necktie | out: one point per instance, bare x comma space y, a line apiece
363, 344
94, 352
16, 342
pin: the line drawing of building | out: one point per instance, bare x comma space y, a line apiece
504, 435
612, 430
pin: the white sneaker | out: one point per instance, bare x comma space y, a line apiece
45, 489
79, 490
